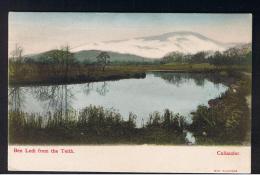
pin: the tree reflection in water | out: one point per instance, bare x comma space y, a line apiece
58, 97
87, 88
199, 78
103, 89
15, 98
55, 98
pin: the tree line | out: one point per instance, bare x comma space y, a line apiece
232, 56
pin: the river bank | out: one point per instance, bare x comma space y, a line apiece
34, 74
227, 120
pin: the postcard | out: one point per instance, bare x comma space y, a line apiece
129, 92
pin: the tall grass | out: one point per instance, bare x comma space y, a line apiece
94, 125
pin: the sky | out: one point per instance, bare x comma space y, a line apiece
41, 31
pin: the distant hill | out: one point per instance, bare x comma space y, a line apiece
43, 55
89, 56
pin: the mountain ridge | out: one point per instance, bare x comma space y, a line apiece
156, 46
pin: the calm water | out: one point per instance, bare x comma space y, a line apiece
179, 92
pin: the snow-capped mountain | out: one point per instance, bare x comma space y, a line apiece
158, 46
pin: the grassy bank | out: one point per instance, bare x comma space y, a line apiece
227, 120
30, 74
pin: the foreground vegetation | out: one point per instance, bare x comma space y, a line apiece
94, 125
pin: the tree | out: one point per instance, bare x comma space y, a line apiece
16, 57
103, 59
173, 57
68, 58
199, 57
16, 54
62, 59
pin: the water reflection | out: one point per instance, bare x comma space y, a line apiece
54, 98
103, 89
58, 98
180, 78
87, 88
16, 98
178, 92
